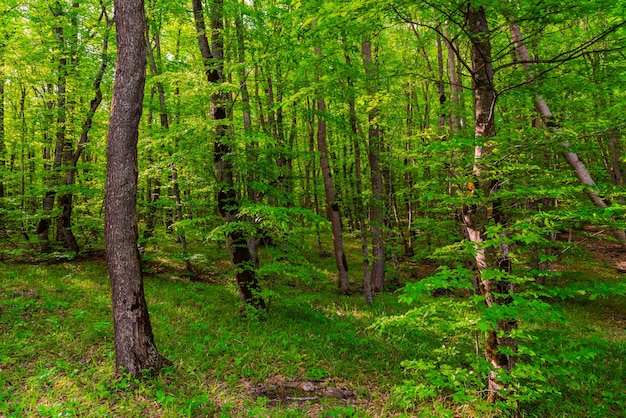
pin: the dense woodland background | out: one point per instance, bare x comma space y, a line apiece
468, 149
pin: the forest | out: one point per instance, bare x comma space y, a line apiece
312, 208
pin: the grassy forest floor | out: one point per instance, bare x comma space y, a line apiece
314, 354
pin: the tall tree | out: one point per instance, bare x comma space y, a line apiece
476, 216
377, 215
333, 212
134, 341
227, 201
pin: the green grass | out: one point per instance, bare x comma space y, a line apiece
57, 357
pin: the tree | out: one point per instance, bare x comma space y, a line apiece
476, 216
573, 160
134, 341
227, 201
374, 148
333, 212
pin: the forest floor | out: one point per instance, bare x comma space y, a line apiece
316, 353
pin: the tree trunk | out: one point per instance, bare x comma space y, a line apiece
376, 211
165, 125
455, 91
575, 163
63, 146
227, 202
65, 200
333, 212
476, 217
253, 241
134, 342
359, 206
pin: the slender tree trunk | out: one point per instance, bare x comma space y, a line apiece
253, 241
476, 216
60, 144
23, 131
153, 184
3, 149
311, 175
455, 91
376, 211
227, 202
332, 205
134, 342
360, 207
63, 147
165, 125
575, 163
65, 200
441, 87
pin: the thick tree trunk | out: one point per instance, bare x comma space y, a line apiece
134, 342
227, 201
476, 217
376, 211
575, 163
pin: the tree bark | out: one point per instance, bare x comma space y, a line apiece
359, 206
476, 217
3, 149
134, 342
227, 201
456, 90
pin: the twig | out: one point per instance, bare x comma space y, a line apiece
582, 240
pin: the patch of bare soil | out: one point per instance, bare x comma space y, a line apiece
609, 252
418, 270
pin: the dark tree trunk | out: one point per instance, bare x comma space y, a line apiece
65, 200
134, 342
227, 201
62, 151
332, 206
